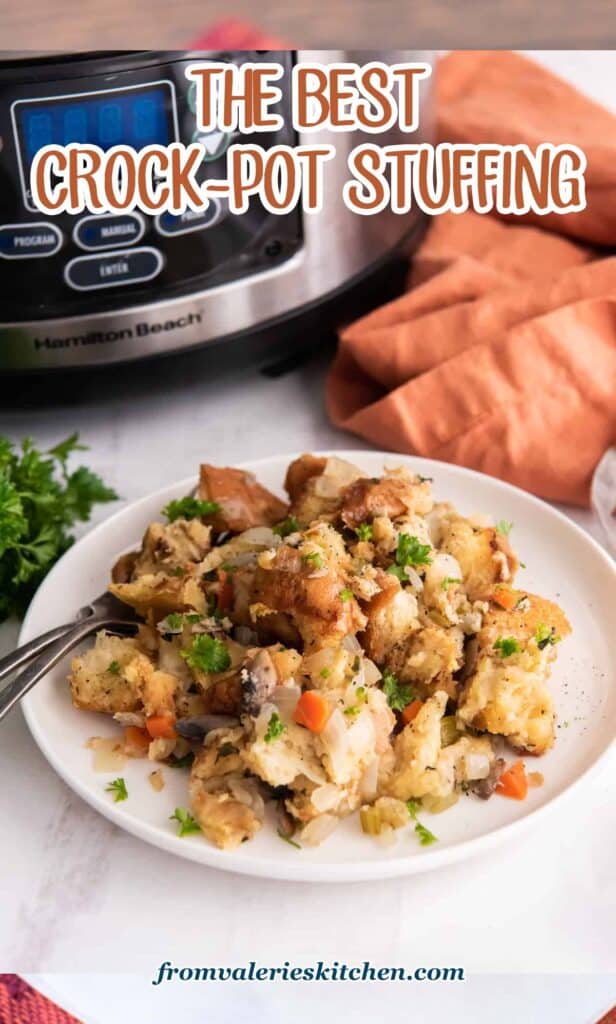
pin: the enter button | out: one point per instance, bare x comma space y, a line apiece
115, 268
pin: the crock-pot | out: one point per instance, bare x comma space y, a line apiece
84, 290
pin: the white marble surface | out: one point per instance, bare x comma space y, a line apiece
79, 895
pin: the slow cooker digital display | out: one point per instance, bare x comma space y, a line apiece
137, 116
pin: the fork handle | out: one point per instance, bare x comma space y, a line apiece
11, 662
52, 654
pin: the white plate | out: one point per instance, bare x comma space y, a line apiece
564, 564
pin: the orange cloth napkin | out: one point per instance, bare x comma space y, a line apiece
502, 354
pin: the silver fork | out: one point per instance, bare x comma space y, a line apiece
38, 656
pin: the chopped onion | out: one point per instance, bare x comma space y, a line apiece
476, 766
130, 718
285, 698
371, 672
352, 644
157, 780
414, 578
262, 536
246, 793
368, 785
325, 798
317, 830
335, 740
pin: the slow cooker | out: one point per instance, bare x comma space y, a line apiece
78, 291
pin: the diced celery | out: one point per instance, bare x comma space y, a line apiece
370, 818
449, 730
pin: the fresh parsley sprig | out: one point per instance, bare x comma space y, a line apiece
186, 822
189, 508
40, 501
118, 788
398, 695
207, 653
409, 551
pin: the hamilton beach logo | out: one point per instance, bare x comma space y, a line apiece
143, 329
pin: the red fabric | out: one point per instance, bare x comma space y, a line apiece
232, 34
21, 1004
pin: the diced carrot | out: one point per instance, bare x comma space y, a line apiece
136, 741
161, 727
225, 591
513, 782
411, 711
506, 598
312, 710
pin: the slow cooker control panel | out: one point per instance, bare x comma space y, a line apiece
71, 265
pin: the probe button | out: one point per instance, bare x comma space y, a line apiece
19, 241
190, 220
114, 268
108, 231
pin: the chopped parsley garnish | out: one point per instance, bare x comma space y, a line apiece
324, 673
118, 788
114, 667
364, 531
503, 527
275, 728
545, 635
426, 838
353, 710
448, 581
207, 653
413, 807
226, 750
425, 479
189, 508
185, 820
314, 558
40, 501
286, 527
410, 551
398, 695
346, 594
360, 693
178, 571
175, 621
287, 839
506, 646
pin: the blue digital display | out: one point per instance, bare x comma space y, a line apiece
130, 117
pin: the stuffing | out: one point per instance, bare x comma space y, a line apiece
430, 658
281, 759
483, 554
392, 617
98, 677
316, 487
243, 501
301, 585
228, 808
424, 767
507, 692
396, 494
354, 650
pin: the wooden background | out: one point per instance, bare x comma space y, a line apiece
435, 24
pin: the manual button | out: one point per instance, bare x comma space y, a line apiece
87, 272
107, 232
28, 240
